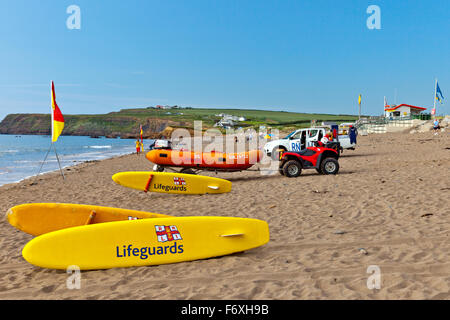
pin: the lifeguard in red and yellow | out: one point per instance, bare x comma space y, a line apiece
138, 147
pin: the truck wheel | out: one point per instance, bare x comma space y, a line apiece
292, 168
275, 155
329, 166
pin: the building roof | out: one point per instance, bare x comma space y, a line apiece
389, 108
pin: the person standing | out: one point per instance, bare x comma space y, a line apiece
138, 147
352, 135
436, 126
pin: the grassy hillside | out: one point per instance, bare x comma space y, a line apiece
254, 117
125, 123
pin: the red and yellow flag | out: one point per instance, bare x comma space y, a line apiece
57, 118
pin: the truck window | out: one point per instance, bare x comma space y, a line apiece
289, 135
298, 135
313, 133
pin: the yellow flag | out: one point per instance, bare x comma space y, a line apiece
359, 99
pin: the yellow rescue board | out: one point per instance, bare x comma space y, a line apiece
40, 218
167, 182
145, 242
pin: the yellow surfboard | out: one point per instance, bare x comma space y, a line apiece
40, 218
167, 182
145, 242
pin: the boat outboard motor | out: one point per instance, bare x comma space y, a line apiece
163, 144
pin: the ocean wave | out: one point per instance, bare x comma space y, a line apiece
27, 161
9, 151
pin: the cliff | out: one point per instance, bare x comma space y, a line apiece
88, 125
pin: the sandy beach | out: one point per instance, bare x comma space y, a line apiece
389, 206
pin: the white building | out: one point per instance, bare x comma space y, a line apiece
227, 124
228, 120
402, 111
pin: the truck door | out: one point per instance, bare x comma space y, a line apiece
296, 141
313, 135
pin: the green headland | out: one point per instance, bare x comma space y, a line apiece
156, 122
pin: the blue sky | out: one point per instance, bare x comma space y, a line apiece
302, 56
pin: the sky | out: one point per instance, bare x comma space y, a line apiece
312, 56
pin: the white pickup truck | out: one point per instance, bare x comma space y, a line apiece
302, 138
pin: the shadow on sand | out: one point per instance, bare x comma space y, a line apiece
350, 155
258, 177
305, 173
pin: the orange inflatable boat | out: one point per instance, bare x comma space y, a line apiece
216, 161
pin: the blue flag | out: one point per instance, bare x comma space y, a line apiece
439, 95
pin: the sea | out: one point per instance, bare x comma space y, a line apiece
21, 156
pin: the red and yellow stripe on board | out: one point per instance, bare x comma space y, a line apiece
57, 118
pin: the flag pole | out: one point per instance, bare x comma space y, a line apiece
59, 164
51, 145
45, 159
53, 128
435, 95
359, 103
42, 164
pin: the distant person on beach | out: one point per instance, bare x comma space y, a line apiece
138, 147
352, 135
142, 146
436, 126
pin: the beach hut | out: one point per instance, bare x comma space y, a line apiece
402, 111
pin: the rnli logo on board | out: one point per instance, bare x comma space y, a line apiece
179, 181
167, 233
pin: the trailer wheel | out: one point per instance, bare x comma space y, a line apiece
187, 171
158, 168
